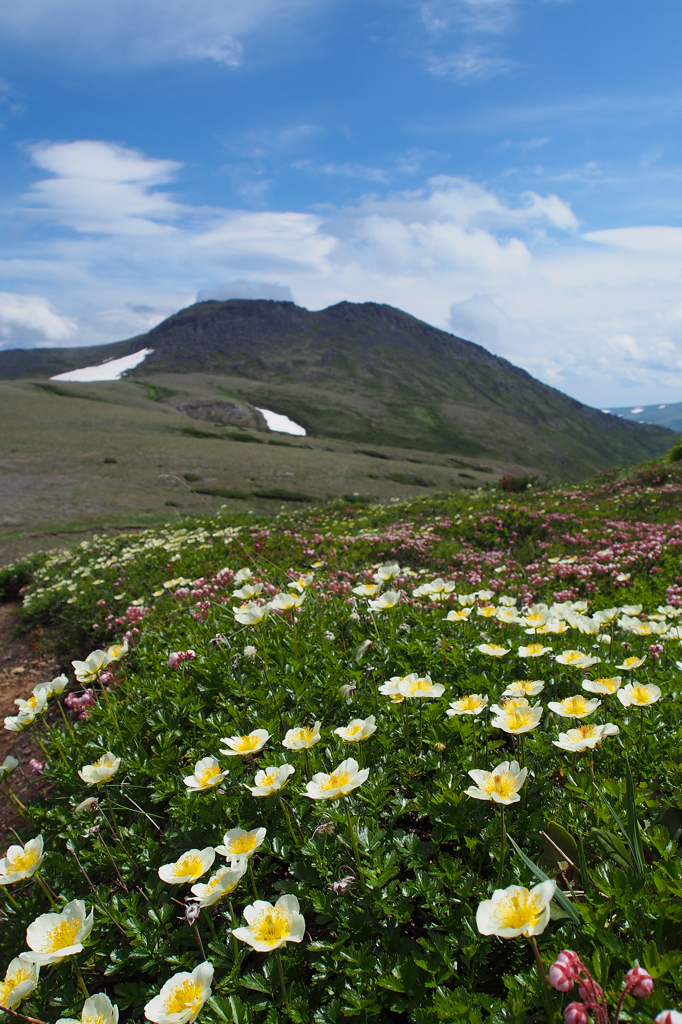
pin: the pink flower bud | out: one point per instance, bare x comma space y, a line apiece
669, 1017
560, 977
639, 982
575, 1013
173, 659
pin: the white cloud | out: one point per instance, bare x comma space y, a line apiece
599, 316
470, 63
242, 289
30, 319
120, 32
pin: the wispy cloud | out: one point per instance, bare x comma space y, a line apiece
480, 27
508, 270
470, 64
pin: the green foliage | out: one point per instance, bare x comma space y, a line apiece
391, 936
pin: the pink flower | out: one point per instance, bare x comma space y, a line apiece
639, 982
575, 1013
669, 1017
565, 971
36, 766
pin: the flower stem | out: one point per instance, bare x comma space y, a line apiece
80, 980
46, 891
280, 968
67, 723
253, 880
407, 728
288, 820
8, 896
543, 978
503, 845
356, 852
308, 773
234, 937
420, 726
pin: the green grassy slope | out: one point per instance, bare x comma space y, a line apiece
362, 372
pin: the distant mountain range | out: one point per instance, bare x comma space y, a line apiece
366, 373
669, 416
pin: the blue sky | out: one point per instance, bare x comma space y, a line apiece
509, 170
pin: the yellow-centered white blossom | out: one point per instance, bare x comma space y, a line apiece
574, 707
250, 614
207, 775
302, 738
240, 746
631, 663
240, 843
516, 911
221, 884
576, 659
534, 651
500, 786
493, 650
182, 997
21, 862
342, 781
471, 704
609, 685
270, 927
20, 980
585, 737
53, 937
188, 868
97, 1009
357, 730
518, 720
271, 780
639, 695
101, 770
524, 688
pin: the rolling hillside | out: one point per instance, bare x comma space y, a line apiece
367, 373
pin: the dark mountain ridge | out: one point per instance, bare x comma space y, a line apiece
370, 372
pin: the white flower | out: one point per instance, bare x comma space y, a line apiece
182, 997
271, 780
102, 769
303, 738
96, 1010
466, 599
533, 619
639, 695
357, 730
242, 575
250, 614
485, 595
632, 609
239, 843
88, 670
342, 781
508, 615
21, 861
631, 663
518, 720
35, 703
366, 589
524, 688
458, 616
507, 600
116, 652
287, 602
8, 766
605, 685
388, 600
501, 785
242, 745
59, 683
493, 650
472, 704
516, 911
551, 626
270, 927
392, 688
52, 937
387, 571
301, 583
17, 723
248, 591
585, 737
188, 868
415, 685
576, 659
487, 611
574, 707
20, 980
221, 884
207, 774
534, 651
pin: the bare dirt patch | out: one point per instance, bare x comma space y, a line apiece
24, 661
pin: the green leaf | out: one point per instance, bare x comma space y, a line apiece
612, 847
634, 833
550, 858
564, 903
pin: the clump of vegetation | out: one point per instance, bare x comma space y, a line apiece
288, 784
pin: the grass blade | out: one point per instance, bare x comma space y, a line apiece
563, 902
625, 833
633, 821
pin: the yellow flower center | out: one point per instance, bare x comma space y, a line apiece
271, 926
631, 661
215, 882
487, 611
536, 617
502, 783
420, 684
304, 735
610, 684
518, 910
62, 935
268, 780
208, 774
335, 781
93, 1018
11, 981
571, 656
469, 703
640, 695
517, 718
23, 861
190, 866
511, 703
353, 730
583, 732
535, 649
103, 762
575, 706
185, 995
244, 744
243, 844
32, 701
